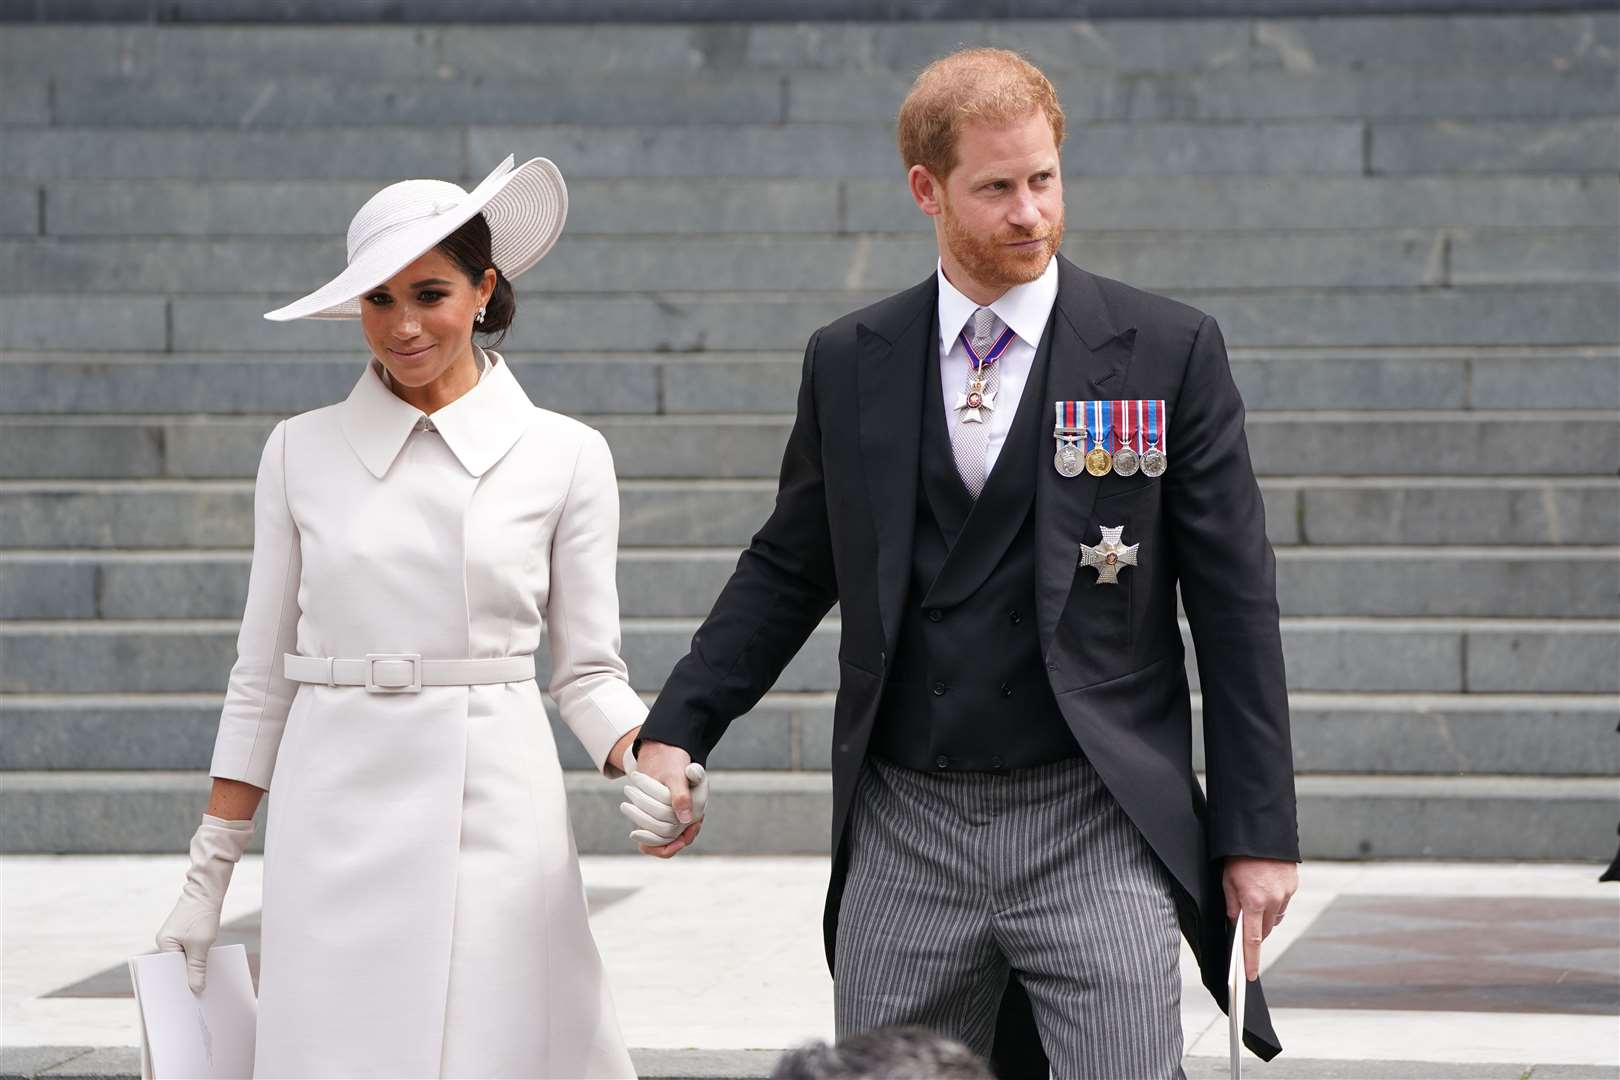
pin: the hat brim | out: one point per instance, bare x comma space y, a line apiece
525, 208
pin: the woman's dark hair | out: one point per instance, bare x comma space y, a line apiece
469, 248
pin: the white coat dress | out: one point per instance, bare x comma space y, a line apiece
423, 909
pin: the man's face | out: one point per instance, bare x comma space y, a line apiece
1001, 209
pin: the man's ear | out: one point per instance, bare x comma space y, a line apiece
926, 191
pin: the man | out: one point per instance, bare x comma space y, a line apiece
1017, 828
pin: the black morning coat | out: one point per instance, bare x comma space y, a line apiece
842, 530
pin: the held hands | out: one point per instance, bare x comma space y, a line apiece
1260, 889
666, 793
193, 925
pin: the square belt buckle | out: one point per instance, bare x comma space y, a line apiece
412, 683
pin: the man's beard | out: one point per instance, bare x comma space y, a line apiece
991, 262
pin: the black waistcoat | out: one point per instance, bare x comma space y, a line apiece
968, 688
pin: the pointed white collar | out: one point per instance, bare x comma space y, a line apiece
479, 427
1024, 308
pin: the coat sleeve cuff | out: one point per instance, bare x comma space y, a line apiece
602, 716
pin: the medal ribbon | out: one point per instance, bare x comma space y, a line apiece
1100, 427
1153, 408
1125, 427
1067, 416
992, 354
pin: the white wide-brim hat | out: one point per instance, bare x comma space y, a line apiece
524, 206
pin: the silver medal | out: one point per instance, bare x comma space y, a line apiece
1154, 461
1126, 461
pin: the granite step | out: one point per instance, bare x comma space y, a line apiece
1155, 261
681, 582
1298, 443
780, 813
291, 101
1360, 654
1345, 732
1391, 510
1483, 377
718, 206
1539, 315
1538, 41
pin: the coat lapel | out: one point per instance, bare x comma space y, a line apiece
1091, 354
894, 344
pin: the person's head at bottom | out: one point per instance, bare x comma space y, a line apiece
891, 1053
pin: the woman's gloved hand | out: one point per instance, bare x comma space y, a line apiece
649, 808
193, 925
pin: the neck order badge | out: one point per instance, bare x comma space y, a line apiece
972, 403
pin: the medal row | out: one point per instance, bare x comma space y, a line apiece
1122, 437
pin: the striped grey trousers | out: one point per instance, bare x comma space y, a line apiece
959, 880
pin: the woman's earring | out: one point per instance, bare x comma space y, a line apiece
478, 318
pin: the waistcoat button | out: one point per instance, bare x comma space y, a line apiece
1006, 691
939, 689
934, 614
942, 761
1015, 617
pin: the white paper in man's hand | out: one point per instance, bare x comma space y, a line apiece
1237, 993
185, 1035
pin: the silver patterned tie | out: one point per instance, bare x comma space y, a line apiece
970, 438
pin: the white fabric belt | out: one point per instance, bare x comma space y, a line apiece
405, 673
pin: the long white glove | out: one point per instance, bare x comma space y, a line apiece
193, 925
649, 806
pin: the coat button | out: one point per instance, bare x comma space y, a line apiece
939, 689
1014, 617
942, 761
1051, 665
995, 762
1006, 691
934, 614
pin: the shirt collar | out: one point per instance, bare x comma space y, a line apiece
1024, 308
479, 427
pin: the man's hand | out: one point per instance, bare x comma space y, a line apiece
669, 768
1260, 889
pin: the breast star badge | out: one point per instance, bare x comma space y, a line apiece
1108, 556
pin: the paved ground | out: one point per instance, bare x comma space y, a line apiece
1399, 970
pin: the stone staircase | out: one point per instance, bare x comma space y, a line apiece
1407, 226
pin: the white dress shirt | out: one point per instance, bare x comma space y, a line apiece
1023, 308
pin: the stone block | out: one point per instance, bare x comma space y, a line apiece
214, 448
294, 102
702, 206
762, 739
1054, 45
80, 813
140, 516
26, 1062
181, 208
652, 647
1483, 42
1551, 658
702, 512
102, 733
19, 209
1472, 583
81, 153
1563, 380
717, 386
74, 322
1522, 315
1314, 147
99, 1063
778, 151
161, 265
1453, 817
1506, 258
24, 102
697, 448
517, 52
1383, 656
235, 324
733, 264
1590, 145
1489, 510
33, 588
81, 659
672, 584
1355, 379
111, 449
174, 587
1451, 735
1443, 444
223, 53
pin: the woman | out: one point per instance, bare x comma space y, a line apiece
423, 908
